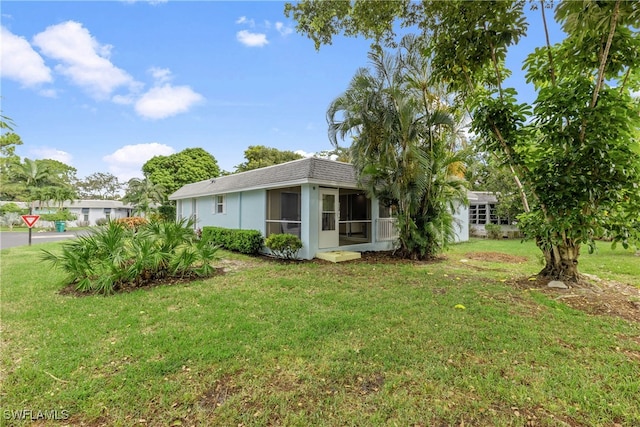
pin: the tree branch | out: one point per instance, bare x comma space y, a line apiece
605, 54
546, 34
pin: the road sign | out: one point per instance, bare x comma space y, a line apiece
30, 220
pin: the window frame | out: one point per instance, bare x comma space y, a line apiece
219, 204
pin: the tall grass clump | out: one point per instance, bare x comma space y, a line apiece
117, 256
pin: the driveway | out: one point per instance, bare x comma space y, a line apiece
11, 239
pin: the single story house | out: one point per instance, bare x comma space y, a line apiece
483, 210
316, 199
87, 212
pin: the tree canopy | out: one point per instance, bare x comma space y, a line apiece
188, 166
575, 149
259, 156
99, 185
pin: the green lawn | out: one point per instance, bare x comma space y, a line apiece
314, 343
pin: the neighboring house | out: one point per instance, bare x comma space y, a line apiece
87, 212
483, 210
318, 200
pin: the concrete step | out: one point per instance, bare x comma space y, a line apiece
338, 256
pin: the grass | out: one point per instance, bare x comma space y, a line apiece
301, 344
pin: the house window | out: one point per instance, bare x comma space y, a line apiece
486, 214
473, 214
85, 214
493, 214
107, 213
284, 211
219, 204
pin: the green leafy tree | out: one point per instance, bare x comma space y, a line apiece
99, 185
259, 156
485, 173
575, 150
58, 173
9, 189
187, 166
402, 146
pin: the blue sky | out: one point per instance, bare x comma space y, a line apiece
104, 86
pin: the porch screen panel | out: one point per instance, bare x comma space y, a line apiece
284, 211
355, 217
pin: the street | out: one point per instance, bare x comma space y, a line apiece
11, 239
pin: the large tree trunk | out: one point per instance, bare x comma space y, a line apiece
561, 261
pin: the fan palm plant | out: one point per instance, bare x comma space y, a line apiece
116, 256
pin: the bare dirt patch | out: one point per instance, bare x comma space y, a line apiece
221, 391
496, 257
595, 296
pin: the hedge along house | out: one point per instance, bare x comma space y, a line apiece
318, 200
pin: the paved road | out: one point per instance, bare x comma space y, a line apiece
11, 239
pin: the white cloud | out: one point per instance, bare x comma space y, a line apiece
48, 93
250, 39
160, 75
166, 101
126, 162
244, 20
123, 99
51, 153
83, 59
304, 153
283, 29
20, 62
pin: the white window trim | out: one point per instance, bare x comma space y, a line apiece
217, 203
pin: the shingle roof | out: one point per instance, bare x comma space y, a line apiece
484, 197
309, 170
114, 204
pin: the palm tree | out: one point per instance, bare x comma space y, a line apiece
33, 176
401, 129
143, 194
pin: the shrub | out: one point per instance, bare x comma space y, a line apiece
60, 215
116, 257
10, 219
102, 221
12, 208
243, 241
167, 212
494, 231
285, 246
133, 222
